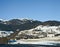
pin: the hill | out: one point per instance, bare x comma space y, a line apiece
24, 24
15, 24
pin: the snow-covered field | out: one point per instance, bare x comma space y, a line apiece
42, 41
37, 42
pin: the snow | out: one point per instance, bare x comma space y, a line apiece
3, 20
5, 33
39, 42
43, 29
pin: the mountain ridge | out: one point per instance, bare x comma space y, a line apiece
25, 24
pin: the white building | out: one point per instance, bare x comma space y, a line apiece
50, 35
5, 33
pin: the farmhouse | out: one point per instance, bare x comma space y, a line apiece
5, 33
50, 35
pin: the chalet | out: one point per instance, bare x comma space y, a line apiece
50, 35
5, 33
57, 34
42, 35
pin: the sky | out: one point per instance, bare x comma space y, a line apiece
41, 10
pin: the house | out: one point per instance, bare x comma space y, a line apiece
42, 35
50, 35
57, 34
5, 33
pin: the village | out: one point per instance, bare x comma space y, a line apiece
40, 33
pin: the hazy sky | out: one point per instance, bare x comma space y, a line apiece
42, 10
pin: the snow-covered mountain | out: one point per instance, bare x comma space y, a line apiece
15, 24
24, 24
